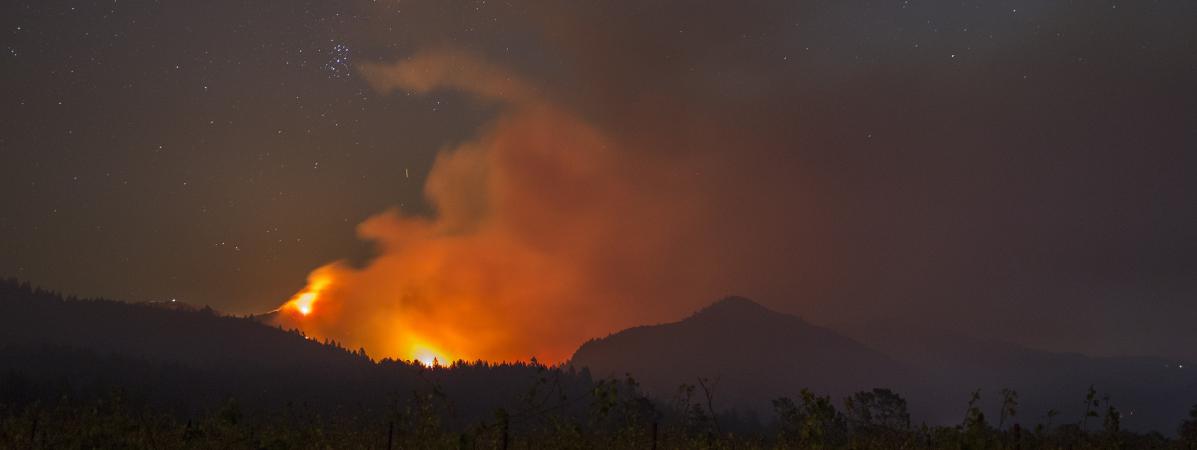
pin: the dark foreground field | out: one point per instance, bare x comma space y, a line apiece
612, 415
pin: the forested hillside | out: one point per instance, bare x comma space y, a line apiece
97, 373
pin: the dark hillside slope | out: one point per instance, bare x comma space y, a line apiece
191, 358
754, 354
200, 338
758, 355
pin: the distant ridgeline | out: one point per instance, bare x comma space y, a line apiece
756, 355
99, 373
195, 357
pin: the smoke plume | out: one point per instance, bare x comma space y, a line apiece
654, 157
543, 235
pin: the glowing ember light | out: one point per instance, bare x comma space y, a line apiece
426, 356
304, 302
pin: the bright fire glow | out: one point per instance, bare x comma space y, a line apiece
522, 257
304, 302
427, 357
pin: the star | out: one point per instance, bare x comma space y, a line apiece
337, 66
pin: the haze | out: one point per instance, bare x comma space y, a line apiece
527, 175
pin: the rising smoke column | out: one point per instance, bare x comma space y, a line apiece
543, 236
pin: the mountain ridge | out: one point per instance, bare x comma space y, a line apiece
733, 340
747, 354
780, 354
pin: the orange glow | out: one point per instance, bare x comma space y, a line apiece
304, 302
428, 356
542, 237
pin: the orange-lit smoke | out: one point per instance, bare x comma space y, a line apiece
543, 236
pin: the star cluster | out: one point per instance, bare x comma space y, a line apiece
1010, 161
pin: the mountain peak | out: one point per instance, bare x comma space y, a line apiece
734, 305
753, 350
736, 300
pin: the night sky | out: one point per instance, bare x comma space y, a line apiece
1021, 170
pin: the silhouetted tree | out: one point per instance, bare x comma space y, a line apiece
1009, 407
1188, 430
1091, 405
814, 423
877, 409
976, 429
1112, 425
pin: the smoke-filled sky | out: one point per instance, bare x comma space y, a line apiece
509, 178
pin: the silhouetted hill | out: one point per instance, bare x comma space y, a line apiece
758, 354
753, 354
199, 337
190, 358
184, 359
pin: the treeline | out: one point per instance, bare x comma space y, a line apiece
612, 414
187, 360
94, 373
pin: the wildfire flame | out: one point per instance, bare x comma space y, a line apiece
427, 356
319, 310
523, 256
304, 302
